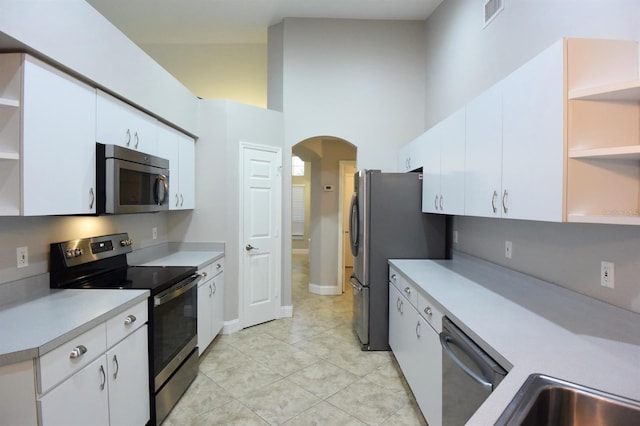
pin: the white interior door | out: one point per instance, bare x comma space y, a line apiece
261, 200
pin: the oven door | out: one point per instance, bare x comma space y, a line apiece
135, 188
175, 325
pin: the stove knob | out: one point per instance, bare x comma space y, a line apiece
125, 243
78, 252
69, 254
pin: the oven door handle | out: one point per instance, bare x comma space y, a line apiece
177, 290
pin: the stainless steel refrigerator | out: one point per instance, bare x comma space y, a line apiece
386, 222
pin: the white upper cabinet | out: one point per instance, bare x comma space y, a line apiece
121, 124
179, 149
533, 148
483, 155
443, 170
58, 142
411, 157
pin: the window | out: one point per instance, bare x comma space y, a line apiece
297, 211
297, 166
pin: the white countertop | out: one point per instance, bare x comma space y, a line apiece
530, 326
186, 258
35, 327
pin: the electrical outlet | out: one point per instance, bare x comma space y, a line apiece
455, 237
22, 256
607, 274
154, 231
508, 249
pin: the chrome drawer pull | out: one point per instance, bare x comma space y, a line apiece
130, 319
78, 351
418, 330
203, 275
407, 290
115, 361
104, 377
218, 266
428, 311
393, 277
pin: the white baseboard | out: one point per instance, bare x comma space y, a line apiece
300, 251
325, 290
231, 326
286, 312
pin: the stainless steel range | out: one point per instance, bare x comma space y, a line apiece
101, 263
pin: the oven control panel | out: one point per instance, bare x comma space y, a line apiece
78, 252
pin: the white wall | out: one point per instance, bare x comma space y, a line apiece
462, 60
223, 125
361, 81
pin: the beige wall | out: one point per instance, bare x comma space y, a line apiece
236, 72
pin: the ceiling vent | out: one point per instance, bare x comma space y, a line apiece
491, 9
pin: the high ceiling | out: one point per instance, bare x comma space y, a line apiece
240, 21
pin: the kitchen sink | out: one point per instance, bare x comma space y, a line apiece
544, 400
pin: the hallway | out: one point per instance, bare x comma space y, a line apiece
305, 370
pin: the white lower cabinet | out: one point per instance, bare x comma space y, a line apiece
210, 304
112, 389
416, 345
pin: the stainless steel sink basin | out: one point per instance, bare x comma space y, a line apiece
544, 400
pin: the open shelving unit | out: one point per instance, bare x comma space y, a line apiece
10, 124
603, 132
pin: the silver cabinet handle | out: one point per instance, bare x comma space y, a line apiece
78, 351
408, 291
92, 198
398, 305
181, 200
115, 361
393, 277
401, 307
128, 142
428, 311
493, 201
249, 247
177, 199
104, 377
130, 319
218, 266
214, 288
435, 202
203, 274
137, 139
505, 197
418, 329
210, 290
441, 201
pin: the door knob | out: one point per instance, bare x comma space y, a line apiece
249, 247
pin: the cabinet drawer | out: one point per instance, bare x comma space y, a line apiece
211, 270
406, 288
66, 359
126, 322
430, 311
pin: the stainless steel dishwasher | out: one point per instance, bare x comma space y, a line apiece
469, 375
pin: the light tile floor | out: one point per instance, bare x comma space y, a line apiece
304, 370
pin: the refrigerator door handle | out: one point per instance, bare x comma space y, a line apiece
354, 224
355, 284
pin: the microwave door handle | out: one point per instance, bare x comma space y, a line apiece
161, 180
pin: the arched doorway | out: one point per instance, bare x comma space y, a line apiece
318, 209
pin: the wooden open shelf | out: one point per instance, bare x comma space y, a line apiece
628, 91
615, 220
9, 156
614, 153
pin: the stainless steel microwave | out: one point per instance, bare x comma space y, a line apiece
129, 181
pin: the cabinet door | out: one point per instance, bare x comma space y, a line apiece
399, 328
80, 400
128, 373
121, 124
58, 142
205, 293
187, 171
427, 382
431, 171
483, 155
168, 147
452, 145
533, 138
217, 305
